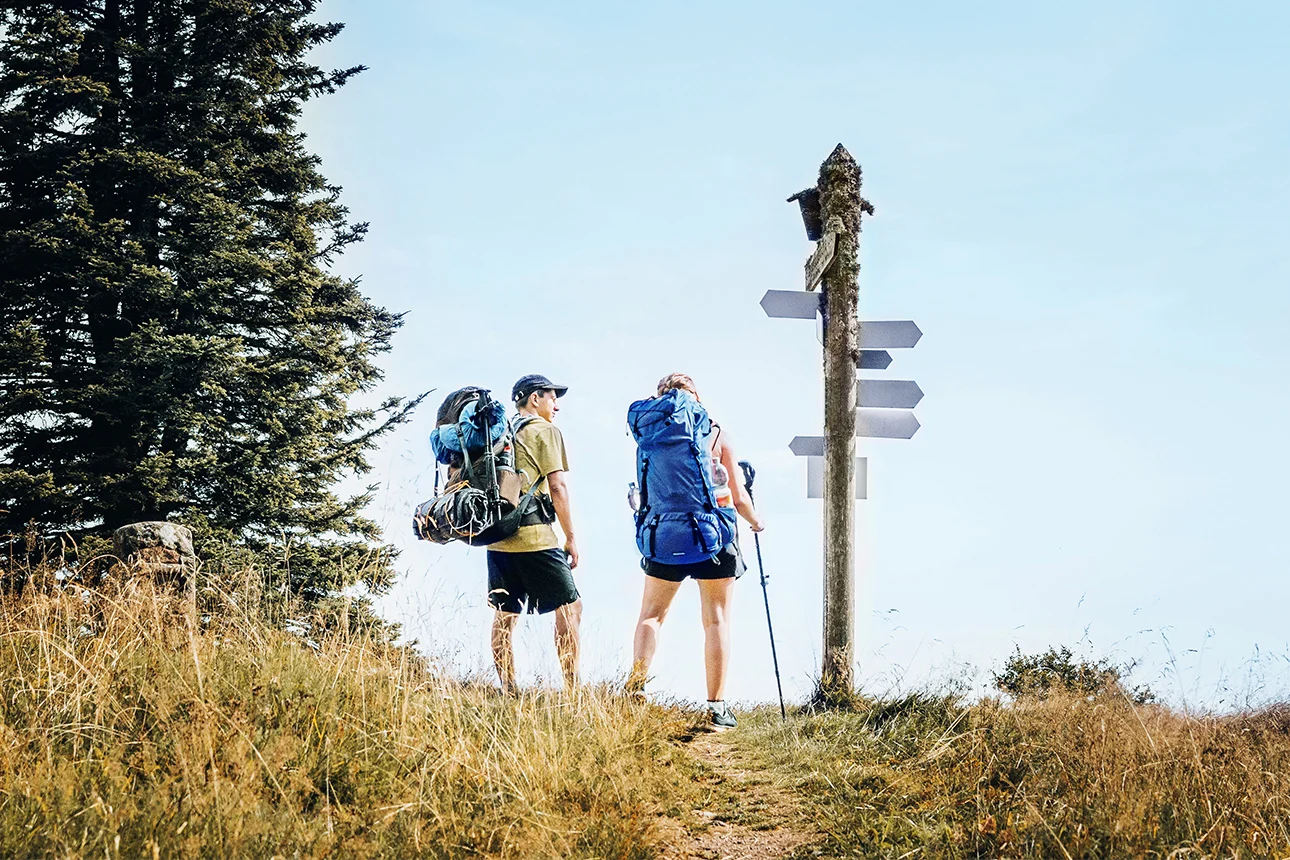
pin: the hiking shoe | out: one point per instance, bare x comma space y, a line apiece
722, 718
634, 686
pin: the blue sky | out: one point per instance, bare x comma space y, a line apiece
1081, 207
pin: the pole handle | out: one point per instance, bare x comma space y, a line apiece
750, 475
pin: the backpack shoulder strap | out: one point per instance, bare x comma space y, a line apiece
518, 423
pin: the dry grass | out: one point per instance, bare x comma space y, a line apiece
1063, 777
129, 730
126, 733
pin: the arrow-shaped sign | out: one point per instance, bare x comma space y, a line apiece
815, 477
873, 359
791, 304
874, 334
886, 423
870, 423
807, 446
888, 393
888, 334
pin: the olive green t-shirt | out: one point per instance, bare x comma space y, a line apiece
539, 451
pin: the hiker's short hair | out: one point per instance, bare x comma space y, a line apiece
677, 380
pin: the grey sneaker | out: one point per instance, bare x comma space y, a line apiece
722, 718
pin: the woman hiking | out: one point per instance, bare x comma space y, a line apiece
686, 526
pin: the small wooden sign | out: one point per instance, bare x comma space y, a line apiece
818, 263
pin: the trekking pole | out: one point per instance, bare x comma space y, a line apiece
492, 491
750, 474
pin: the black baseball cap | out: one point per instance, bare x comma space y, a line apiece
526, 385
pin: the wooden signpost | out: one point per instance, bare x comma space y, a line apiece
870, 408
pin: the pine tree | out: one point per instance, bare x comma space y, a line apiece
172, 341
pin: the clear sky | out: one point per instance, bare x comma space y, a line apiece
1083, 206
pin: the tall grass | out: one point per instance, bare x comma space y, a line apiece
127, 730
1065, 776
130, 728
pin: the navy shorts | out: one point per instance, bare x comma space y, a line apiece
538, 582
727, 564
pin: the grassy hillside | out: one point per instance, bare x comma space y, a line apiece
125, 732
1092, 776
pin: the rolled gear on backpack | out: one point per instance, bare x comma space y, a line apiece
480, 503
466, 434
679, 521
454, 515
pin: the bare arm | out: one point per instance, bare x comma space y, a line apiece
743, 504
563, 513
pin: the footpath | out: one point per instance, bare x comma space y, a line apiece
745, 814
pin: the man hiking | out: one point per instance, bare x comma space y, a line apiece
530, 570
686, 526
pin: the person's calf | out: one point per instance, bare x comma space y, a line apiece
567, 644
504, 651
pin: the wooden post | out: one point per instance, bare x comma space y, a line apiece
840, 205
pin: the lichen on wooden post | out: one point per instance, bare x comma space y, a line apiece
840, 207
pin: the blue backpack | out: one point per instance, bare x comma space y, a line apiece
679, 521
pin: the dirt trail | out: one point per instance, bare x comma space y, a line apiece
747, 816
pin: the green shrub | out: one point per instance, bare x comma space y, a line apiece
1056, 670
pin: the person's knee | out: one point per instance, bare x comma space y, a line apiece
573, 611
652, 618
569, 616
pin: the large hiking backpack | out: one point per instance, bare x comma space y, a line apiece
478, 500
679, 520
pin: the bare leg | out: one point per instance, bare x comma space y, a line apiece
503, 652
567, 646
715, 595
655, 602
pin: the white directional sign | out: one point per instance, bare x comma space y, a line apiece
874, 334
791, 304
873, 359
815, 477
807, 446
818, 263
888, 393
870, 423
886, 423
888, 334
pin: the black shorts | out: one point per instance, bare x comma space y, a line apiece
530, 581
727, 564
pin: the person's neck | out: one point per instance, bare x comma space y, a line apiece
529, 413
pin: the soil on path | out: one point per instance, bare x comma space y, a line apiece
745, 816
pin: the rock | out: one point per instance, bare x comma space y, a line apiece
161, 549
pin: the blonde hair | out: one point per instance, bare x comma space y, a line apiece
677, 380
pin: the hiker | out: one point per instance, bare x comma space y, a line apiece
686, 526
530, 570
